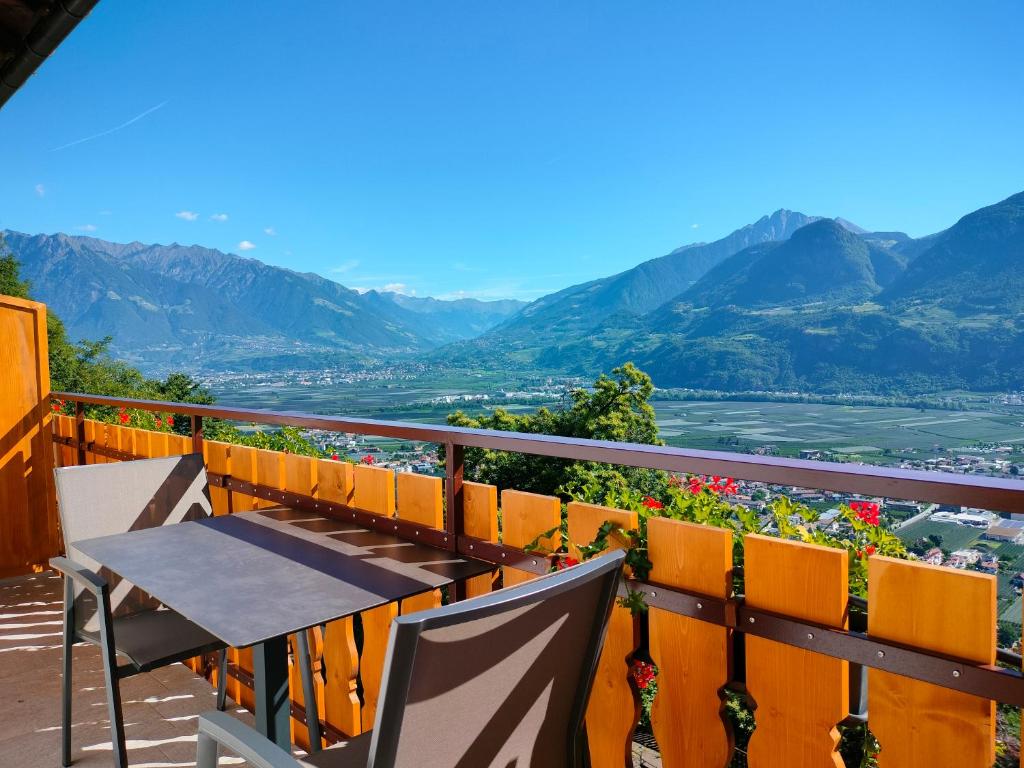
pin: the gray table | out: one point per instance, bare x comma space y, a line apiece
254, 578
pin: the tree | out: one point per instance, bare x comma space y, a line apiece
936, 539
617, 409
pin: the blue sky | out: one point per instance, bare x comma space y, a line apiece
509, 149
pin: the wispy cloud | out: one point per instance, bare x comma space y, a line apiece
222, 217
399, 288
187, 215
40, 190
695, 226
348, 266
269, 231
86, 228
109, 131
106, 212
246, 245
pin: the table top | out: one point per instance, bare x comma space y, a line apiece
253, 576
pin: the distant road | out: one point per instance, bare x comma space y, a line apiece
919, 516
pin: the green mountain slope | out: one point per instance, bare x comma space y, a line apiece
175, 304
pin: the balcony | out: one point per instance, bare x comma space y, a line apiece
920, 653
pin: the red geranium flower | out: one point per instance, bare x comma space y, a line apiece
124, 417
867, 511
869, 549
334, 457
367, 459
642, 674
696, 484
159, 423
652, 503
170, 421
566, 562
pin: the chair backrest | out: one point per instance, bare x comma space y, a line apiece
500, 680
104, 499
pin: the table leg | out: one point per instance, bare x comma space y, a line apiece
273, 704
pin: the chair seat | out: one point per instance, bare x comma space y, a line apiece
151, 639
354, 753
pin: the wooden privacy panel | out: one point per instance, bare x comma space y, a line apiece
29, 533
800, 696
613, 710
524, 516
480, 520
300, 474
949, 612
694, 657
269, 472
374, 492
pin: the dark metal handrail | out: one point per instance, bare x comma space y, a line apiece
940, 487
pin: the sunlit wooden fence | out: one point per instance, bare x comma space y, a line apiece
800, 696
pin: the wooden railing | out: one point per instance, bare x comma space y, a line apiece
787, 644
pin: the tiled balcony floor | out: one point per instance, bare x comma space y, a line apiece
160, 707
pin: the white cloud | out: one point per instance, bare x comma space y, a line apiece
695, 226
399, 288
109, 131
40, 190
219, 217
245, 245
86, 228
348, 266
187, 215
269, 231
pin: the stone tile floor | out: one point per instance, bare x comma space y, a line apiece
160, 708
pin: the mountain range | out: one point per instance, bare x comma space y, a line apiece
820, 306
789, 302
174, 305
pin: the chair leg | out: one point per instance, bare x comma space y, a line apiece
305, 663
65, 701
222, 679
206, 752
113, 692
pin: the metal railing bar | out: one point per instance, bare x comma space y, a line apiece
940, 487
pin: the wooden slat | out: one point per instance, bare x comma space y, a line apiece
300, 474
421, 499
374, 492
524, 516
335, 481
694, 658
613, 710
159, 444
341, 667
243, 466
269, 472
480, 519
179, 445
90, 437
218, 461
374, 489
949, 612
800, 696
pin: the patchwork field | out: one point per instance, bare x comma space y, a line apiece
874, 434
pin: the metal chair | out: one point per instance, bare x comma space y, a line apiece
499, 680
106, 611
